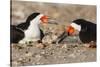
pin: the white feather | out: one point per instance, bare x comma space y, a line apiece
76, 26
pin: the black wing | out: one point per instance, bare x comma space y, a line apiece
15, 34
23, 25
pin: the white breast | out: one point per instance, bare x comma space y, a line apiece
33, 32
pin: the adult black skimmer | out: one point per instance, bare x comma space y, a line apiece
87, 30
30, 28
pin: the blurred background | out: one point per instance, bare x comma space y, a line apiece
62, 13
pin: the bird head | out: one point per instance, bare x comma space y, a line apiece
72, 28
37, 18
44, 19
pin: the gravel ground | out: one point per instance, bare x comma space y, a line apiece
29, 54
70, 51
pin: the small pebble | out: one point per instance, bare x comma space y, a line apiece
40, 46
72, 55
28, 54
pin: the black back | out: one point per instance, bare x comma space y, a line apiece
26, 24
16, 34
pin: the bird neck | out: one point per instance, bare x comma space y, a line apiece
33, 29
34, 25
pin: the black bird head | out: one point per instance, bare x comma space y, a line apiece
78, 24
32, 16
83, 23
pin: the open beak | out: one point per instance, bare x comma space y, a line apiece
44, 19
70, 30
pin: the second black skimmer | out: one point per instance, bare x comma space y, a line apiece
86, 29
30, 29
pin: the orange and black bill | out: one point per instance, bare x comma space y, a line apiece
70, 30
44, 19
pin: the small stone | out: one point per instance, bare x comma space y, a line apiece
43, 52
20, 59
90, 45
28, 54
64, 46
72, 55
40, 46
15, 63
38, 57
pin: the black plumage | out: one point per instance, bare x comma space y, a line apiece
23, 25
16, 34
26, 24
88, 30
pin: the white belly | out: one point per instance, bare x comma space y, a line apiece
31, 35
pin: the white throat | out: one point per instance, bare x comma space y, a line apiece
36, 20
76, 26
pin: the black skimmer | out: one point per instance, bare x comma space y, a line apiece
86, 29
31, 29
